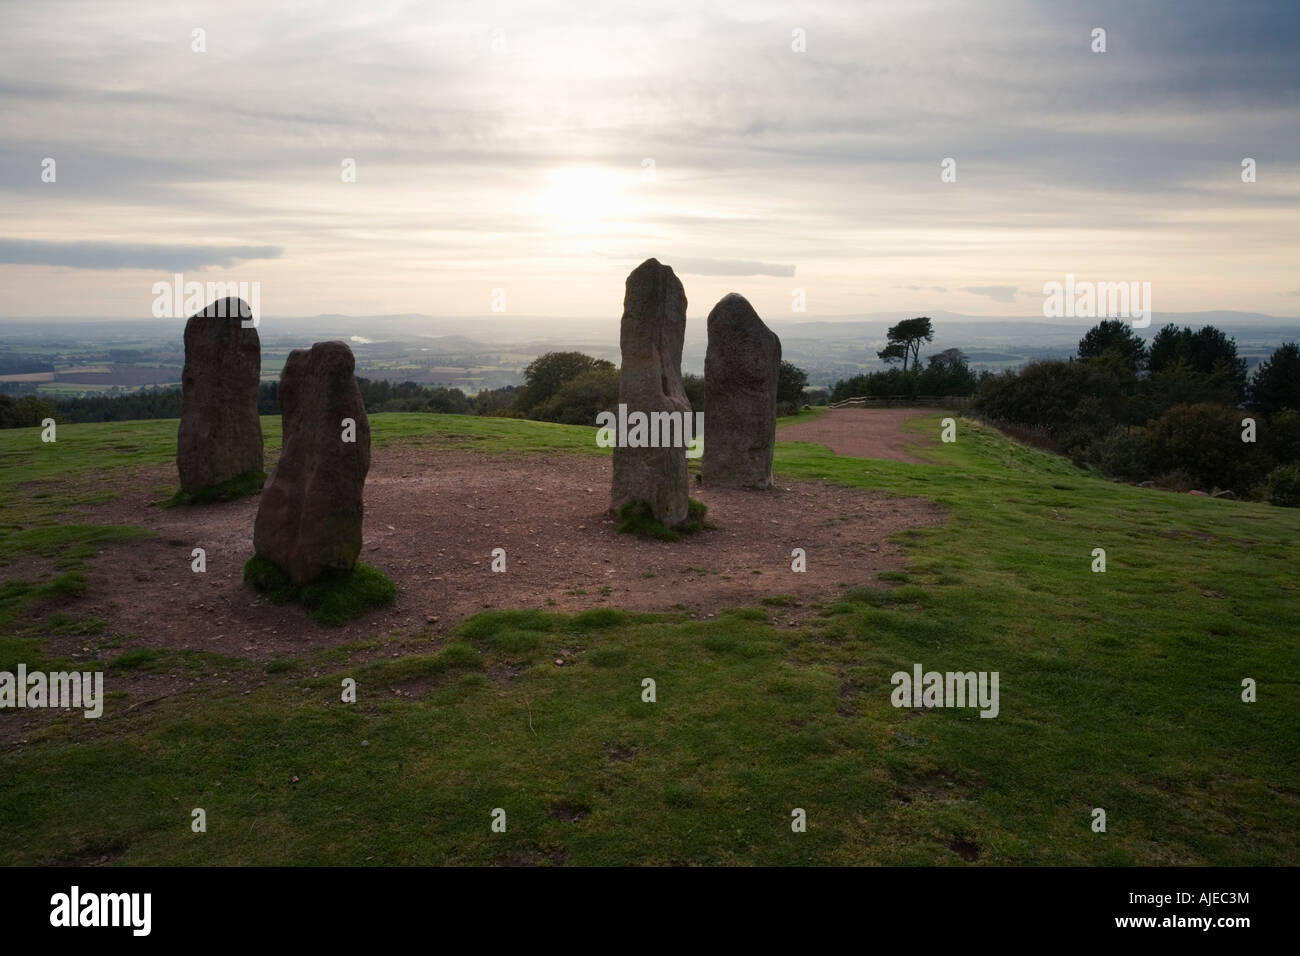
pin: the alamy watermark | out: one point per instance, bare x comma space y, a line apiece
953, 689
75, 908
1091, 300
651, 430
68, 690
179, 299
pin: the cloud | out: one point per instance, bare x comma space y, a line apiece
925, 288
128, 255
729, 267
999, 293
1290, 295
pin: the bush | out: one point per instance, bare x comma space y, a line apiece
1125, 454
791, 380
582, 398
1077, 403
1205, 442
546, 375
1281, 437
694, 388
1282, 486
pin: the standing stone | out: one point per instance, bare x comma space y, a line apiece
654, 325
309, 519
740, 375
220, 435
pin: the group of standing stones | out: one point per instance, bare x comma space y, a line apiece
309, 517
740, 379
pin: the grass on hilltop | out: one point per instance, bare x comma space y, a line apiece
1119, 690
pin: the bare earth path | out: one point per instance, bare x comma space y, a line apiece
434, 514
861, 432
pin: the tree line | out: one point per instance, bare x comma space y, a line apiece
567, 387
1180, 413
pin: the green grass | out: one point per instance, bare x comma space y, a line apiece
334, 598
1118, 690
636, 518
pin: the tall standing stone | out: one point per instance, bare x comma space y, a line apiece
220, 435
650, 380
740, 375
309, 518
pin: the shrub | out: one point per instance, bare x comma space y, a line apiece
1125, 453
1282, 486
547, 374
1281, 437
1077, 403
579, 400
1204, 441
791, 380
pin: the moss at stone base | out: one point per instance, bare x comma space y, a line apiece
334, 598
636, 517
241, 486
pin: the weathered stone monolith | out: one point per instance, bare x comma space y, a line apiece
220, 435
650, 381
740, 374
309, 519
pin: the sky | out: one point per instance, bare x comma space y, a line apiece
526, 156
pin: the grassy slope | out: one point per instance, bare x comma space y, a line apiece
1118, 690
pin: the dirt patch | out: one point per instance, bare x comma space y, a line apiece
968, 851
862, 432
432, 520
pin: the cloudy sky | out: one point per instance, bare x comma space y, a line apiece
546, 148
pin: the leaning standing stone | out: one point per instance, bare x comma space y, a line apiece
309, 518
650, 381
220, 436
740, 375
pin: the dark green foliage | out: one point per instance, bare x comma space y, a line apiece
1276, 384
905, 340
1117, 337
1205, 442
946, 373
26, 412
693, 385
1206, 353
546, 375
1124, 453
1075, 402
1282, 486
791, 380
580, 399
1280, 436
